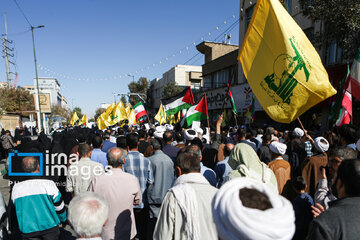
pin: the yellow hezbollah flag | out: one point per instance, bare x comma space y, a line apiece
132, 117
160, 116
74, 118
104, 119
171, 119
83, 120
128, 110
117, 114
282, 67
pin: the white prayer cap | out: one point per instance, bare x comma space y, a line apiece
160, 128
321, 144
169, 127
199, 131
278, 148
358, 145
298, 132
233, 220
158, 134
190, 134
274, 138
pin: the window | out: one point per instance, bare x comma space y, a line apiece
333, 54
249, 13
221, 78
207, 82
289, 6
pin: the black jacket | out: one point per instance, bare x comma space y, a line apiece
340, 221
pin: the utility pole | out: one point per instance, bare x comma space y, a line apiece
38, 109
7, 54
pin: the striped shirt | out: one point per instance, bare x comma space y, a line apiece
308, 147
39, 205
139, 166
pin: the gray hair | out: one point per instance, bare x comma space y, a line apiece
88, 213
30, 164
116, 156
343, 152
155, 144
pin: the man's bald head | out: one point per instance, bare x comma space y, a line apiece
30, 164
228, 148
116, 157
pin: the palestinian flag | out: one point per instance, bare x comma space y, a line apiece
196, 113
139, 111
180, 101
251, 109
353, 81
232, 102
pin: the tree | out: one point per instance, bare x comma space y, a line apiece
340, 22
171, 89
16, 100
58, 111
98, 112
140, 86
78, 112
123, 99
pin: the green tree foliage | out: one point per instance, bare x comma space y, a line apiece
98, 112
78, 112
340, 21
123, 99
171, 89
16, 100
141, 86
58, 111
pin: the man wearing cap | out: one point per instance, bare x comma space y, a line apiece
300, 134
280, 167
311, 171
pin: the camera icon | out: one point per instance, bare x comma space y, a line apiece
16, 154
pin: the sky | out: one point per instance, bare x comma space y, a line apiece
91, 46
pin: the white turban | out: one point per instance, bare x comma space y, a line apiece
160, 128
321, 147
358, 145
199, 131
235, 221
298, 132
169, 127
158, 134
278, 148
190, 134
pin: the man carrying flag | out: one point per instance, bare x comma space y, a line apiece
282, 67
180, 101
196, 113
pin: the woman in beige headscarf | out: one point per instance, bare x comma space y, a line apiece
246, 163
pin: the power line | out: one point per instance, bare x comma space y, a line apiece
22, 12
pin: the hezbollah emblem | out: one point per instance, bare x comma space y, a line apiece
282, 81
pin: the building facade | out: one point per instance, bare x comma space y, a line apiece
182, 75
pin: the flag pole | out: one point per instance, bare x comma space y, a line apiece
302, 126
235, 116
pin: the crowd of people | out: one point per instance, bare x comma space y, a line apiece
165, 182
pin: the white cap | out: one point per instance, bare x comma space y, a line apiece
298, 132
321, 147
190, 134
278, 148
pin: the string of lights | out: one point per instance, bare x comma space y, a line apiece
232, 19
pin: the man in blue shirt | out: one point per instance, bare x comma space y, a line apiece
222, 168
107, 143
97, 155
139, 166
